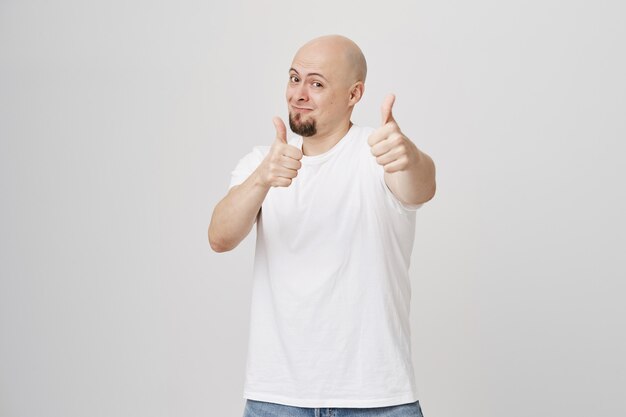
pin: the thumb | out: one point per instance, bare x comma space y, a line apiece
385, 110
281, 130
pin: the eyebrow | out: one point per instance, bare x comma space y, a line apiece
309, 74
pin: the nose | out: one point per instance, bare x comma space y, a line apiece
301, 93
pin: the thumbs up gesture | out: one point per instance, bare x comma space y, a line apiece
394, 151
282, 162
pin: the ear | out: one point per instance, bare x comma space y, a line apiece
356, 92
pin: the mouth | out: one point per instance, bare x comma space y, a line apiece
301, 109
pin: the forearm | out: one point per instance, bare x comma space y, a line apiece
234, 216
415, 184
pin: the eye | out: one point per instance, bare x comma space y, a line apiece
317, 84
294, 78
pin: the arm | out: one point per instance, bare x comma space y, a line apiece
234, 216
416, 184
409, 172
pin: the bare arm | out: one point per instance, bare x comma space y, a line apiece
409, 172
416, 184
234, 216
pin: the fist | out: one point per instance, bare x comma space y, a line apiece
282, 163
394, 151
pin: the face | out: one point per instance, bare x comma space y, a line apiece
318, 96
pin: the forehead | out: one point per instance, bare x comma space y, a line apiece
319, 60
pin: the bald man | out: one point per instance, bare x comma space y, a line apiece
335, 211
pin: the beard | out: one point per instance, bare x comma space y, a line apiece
302, 128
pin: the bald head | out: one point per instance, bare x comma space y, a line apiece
326, 81
342, 54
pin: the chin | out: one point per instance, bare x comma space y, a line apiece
301, 127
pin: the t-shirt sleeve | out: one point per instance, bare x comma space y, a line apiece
247, 165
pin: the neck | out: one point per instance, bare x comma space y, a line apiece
320, 143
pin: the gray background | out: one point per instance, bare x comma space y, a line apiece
120, 124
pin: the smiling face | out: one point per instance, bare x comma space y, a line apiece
325, 82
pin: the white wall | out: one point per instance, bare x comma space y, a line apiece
120, 122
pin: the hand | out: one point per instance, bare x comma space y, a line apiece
282, 162
394, 151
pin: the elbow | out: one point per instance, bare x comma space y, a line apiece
425, 196
218, 247
217, 244
419, 197
432, 188
432, 192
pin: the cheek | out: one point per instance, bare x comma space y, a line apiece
338, 101
290, 91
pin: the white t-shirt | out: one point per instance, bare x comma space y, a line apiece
329, 320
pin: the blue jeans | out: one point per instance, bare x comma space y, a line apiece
256, 408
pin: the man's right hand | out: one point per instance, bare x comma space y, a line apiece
282, 162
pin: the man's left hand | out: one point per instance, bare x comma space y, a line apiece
394, 151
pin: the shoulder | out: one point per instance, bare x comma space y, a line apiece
260, 151
360, 136
363, 131
247, 164
255, 156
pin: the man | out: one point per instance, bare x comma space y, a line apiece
335, 213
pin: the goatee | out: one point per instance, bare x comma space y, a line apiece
301, 128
